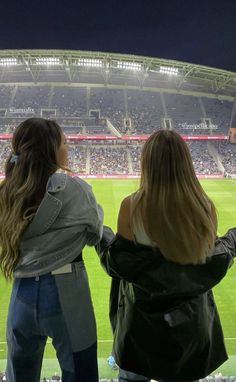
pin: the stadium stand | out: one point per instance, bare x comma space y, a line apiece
5, 95
92, 110
202, 161
184, 110
111, 158
227, 153
36, 97
78, 158
145, 111
110, 102
219, 112
135, 152
86, 111
5, 151
69, 101
95, 126
108, 160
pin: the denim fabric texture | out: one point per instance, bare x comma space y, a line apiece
37, 311
67, 219
51, 296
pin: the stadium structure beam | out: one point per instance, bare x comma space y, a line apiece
106, 75
34, 72
213, 78
172, 90
142, 76
221, 81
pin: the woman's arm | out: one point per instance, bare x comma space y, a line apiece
214, 217
124, 220
226, 245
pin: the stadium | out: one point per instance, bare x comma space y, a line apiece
108, 104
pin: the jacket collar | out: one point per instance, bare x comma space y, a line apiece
56, 182
49, 207
44, 217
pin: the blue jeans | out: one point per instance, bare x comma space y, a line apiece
56, 306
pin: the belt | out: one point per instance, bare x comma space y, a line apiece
67, 268
64, 269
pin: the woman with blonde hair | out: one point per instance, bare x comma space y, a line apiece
46, 219
164, 262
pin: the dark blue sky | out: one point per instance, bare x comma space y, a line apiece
202, 32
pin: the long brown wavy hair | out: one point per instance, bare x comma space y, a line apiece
35, 143
177, 214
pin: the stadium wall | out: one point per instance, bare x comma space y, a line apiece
136, 176
70, 137
131, 176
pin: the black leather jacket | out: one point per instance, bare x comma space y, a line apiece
163, 314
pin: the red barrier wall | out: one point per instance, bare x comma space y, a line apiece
128, 137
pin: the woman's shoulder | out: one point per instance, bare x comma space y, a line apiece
124, 218
61, 181
78, 182
126, 202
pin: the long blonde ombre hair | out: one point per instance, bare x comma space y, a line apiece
35, 144
176, 213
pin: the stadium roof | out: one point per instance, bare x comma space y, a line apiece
112, 69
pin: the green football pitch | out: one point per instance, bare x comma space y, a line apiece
109, 194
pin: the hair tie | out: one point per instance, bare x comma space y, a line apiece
14, 158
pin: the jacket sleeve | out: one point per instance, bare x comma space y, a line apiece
226, 245
102, 248
106, 240
121, 258
90, 212
124, 259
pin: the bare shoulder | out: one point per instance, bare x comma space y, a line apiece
123, 224
126, 202
214, 216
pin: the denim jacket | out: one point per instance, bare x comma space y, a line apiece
67, 219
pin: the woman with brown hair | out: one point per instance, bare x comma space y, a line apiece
164, 262
46, 219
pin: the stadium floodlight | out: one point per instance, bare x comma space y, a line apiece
90, 62
169, 70
47, 61
8, 61
129, 65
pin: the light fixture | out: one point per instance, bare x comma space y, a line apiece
169, 70
90, 62
129, 65
47, 61
8, 61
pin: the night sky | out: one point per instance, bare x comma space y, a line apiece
201, 32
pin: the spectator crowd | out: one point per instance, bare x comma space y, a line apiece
129, 111
107, 158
